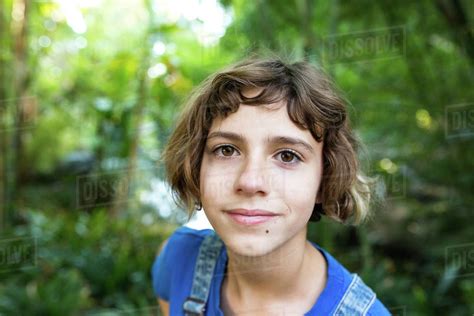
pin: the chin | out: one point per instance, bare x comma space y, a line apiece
250, 246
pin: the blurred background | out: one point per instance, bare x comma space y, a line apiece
89, 93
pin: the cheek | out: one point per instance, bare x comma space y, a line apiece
215, 183
300, 192
205, 180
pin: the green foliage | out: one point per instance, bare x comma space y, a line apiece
122, 83
84, 263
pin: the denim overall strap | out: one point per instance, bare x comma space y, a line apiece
203, 273
357, 299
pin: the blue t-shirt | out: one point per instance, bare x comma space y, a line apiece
172, 275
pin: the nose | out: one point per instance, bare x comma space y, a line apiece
252, 177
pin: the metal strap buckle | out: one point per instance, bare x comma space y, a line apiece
194, 302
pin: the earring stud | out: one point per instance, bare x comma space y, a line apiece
198, 206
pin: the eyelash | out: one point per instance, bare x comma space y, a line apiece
294, 153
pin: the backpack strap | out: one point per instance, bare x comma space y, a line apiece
203, 273
357, 300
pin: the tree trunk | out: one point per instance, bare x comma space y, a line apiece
4, 47
125, 187
22, 102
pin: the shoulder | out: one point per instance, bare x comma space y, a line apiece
345, 284
184, 240
175, 261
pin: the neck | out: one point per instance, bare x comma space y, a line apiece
287, 274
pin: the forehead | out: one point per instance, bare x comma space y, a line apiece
261, 121
250, 115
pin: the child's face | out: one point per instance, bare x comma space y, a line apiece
253, 174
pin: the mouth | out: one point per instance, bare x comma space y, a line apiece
251, 217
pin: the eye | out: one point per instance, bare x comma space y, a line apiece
226, 150
289, 155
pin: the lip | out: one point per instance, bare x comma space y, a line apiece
251, 217
254, 212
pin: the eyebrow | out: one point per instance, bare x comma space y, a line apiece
274, 139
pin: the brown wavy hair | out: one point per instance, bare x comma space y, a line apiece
313, 103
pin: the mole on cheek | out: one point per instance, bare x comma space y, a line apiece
266, 231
